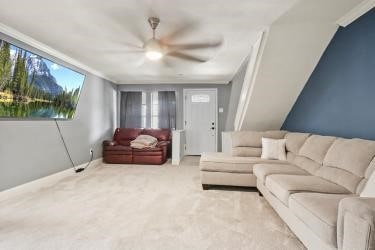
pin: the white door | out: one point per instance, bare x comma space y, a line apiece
200, 113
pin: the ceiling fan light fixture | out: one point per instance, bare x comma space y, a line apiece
154, 55
154, 50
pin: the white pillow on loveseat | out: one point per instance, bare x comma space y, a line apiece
273, 149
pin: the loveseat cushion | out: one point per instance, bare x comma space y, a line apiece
148, 151
261, 171
125, 149
123, 136
319, 212
222, 162
282, 186
347, 161
160, 134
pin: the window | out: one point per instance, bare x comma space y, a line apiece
131, 109
144, 110
155, 109
148, 109
200, 98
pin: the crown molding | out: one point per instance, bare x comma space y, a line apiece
356, 12
174, 81
50, 51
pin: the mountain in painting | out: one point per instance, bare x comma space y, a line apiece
41, 76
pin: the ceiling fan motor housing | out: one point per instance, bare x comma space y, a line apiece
154, 22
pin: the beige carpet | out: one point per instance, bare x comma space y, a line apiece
140, 207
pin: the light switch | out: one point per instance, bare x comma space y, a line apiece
221, 110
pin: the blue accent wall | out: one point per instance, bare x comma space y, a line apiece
339, 97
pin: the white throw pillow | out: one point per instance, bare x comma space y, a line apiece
273, 149
369, 189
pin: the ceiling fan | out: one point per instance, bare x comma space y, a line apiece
158, 48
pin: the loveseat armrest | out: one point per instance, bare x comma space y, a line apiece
355, 224
164, 146
162, 143
109, 143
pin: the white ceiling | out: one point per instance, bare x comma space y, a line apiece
92, 31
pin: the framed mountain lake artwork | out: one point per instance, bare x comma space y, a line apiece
33, 87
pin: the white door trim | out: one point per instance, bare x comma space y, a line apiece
216, 109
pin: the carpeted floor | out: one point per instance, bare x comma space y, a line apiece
141, 207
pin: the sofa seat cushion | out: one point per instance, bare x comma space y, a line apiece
319, 212
222, 162
263, 170
282, 186
123, 149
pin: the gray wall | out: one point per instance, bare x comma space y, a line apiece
224, 92
32, 149
339, 98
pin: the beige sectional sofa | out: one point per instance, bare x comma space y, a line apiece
316, 191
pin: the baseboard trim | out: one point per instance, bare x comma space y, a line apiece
49, 180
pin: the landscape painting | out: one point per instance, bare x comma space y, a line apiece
33, 87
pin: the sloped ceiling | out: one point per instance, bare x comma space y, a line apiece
292, 49
96, 33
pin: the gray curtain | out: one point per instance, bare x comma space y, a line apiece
131, 110
167, 109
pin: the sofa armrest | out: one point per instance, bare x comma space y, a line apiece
109, 143
355, 224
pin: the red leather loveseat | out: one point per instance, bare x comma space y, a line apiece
119, 151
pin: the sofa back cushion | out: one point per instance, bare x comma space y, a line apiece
123, 136
160, 134
347, 161
294, 141
246, 151
249, 143
311, 155
316, 147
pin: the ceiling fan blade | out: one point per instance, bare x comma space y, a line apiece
131, 45
188, 57
181, 30
192, 46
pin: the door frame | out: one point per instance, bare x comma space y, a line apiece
216, 111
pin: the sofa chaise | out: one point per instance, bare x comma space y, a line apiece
316, 191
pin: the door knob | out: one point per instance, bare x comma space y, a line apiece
212, 128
